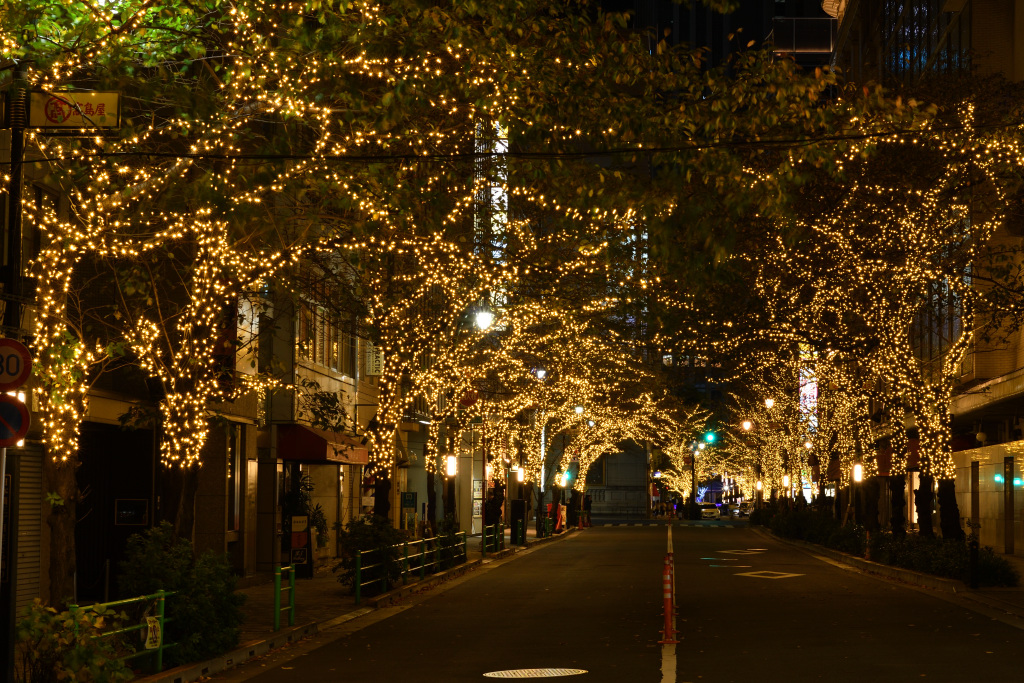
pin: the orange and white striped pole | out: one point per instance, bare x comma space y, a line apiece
669, 633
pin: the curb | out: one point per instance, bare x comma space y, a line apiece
256, 648
883, 570
186, 673
394, 596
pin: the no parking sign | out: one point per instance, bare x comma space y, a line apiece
15, 367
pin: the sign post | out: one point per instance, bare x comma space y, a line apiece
15, 367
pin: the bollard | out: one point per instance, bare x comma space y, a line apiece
405, 564
669, 633
359, 578
277, 598
160, 618
291, 595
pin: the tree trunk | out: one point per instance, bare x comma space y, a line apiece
872, 490
185, 519
949, 511
898, 505
431, 516
61, 480
923, 499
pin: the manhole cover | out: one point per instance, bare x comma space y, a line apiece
534, 673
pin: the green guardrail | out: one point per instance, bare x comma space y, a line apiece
425, 557
290, 570
155, 644
493, 539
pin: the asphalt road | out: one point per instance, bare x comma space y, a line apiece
749, 609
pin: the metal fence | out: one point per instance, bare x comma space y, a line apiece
423, 556
153, 626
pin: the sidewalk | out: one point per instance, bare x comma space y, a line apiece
322, 602
1003, 604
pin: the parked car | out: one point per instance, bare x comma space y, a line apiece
745, 509
709, 511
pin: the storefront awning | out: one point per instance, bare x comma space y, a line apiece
300, 443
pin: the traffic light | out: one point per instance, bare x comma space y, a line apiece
710, 437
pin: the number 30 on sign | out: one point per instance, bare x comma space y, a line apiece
15, 364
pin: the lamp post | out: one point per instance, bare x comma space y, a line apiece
450, 469
858, 477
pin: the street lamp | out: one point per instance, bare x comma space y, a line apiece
769, 402
451, 464
858, 477
484, 319
540, 373
579, 410
747, 425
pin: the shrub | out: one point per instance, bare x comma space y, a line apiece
848, 539
816, 526
56, 646
369, 533
205, 613
450, 543
994, 570
943, 557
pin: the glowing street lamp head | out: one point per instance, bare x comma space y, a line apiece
785, 480
540, 373
759, 485
520, 475
451, 465
769, 402
858, 473
484, 319
579, 410
747, 425
808, 445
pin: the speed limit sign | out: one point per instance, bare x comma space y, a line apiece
15, 364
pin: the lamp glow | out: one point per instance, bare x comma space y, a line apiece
769, 402
540, 373
759, 485
579, 410
785, 480
808, 445
520, 475
747, 425
858, 473
484, 319
451, 464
